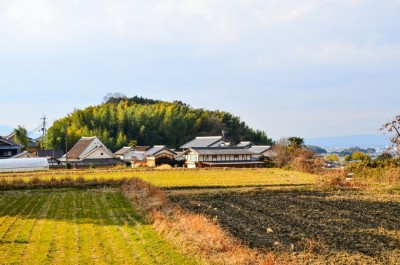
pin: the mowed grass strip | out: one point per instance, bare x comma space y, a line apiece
78, 227
175, 177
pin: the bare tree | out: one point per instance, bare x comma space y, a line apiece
392, 128
115, 95
281, 153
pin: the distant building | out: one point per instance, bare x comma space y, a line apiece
216, 151
127, 153
158, 155
207, 141
259, 151
8, 148
33, 145
220, 157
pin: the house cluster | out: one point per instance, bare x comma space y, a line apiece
11, 150
208, 151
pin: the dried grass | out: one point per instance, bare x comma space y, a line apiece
36, 182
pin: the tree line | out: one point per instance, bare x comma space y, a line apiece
122, 121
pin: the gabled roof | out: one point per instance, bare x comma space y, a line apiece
95, 149
11, 144
79, 147
221, 151
259, 149
244, 144
24, 154
31, 143
141, 148
203, 141
124, 150
10, 136
157, 149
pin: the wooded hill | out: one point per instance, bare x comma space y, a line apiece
127, 121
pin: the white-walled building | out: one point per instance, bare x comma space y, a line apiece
90, 150
220, 157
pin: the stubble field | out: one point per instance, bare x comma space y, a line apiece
319, 227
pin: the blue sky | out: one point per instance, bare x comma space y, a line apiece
305, 68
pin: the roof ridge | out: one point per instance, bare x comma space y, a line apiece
208, 136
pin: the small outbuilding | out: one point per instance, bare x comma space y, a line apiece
23, 164
158, 155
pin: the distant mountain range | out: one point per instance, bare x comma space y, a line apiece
5, 130
363, 141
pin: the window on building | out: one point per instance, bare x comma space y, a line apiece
214, 158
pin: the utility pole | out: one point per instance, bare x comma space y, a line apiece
43, 129
66, 146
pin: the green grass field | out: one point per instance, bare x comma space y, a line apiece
180, 178
77, 227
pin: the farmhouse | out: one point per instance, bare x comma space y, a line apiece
33, 145
8, 148
129, 153
259, 151
207, 141
90, 150
220, 157
158, 155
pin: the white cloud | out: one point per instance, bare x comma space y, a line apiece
298, 12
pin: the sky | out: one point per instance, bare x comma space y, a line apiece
291, 68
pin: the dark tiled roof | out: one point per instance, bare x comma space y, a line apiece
259, 149
79, 147
50, 153
141, 148
123, 150
9, 142
33, 144
205, 141
156, 149
244, 144
222, 151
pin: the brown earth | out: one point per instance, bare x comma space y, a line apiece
346, 223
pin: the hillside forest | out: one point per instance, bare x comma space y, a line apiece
134, 121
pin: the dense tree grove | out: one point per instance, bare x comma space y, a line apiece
121, 121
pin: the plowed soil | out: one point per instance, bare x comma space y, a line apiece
364, 227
